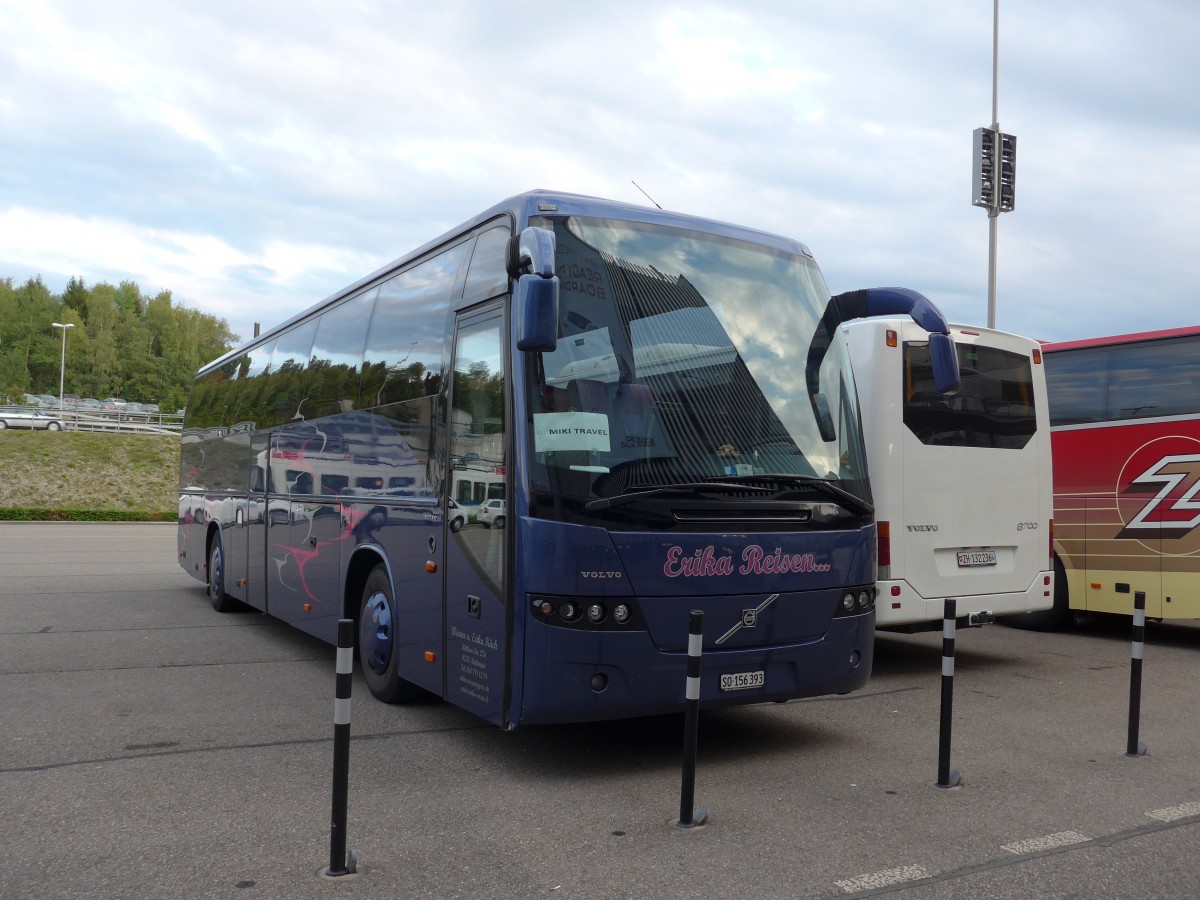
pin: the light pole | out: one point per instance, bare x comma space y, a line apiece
994, 168
62, 368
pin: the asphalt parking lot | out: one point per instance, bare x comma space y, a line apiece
153, 748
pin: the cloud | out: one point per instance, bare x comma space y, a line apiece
253, 158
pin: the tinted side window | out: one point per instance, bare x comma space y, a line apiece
206, 403
1077, 381
403, 359
1161, 378
287, 385
333, 368
994, 407
487, 276
247, 387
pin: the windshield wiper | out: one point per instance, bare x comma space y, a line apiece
850, 501
694, 487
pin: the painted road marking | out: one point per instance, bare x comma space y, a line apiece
1049, 842
1171, 813
882, 879
889, 877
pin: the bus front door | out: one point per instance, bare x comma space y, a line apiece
476, 560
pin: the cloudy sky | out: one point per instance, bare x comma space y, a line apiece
252, 157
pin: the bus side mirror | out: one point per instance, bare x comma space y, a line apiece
530, 260
942, 356
531, 253
824, 418
537, 313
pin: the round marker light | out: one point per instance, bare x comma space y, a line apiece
847, 602
621, 614
569, 611
547, 607
596, 613
864, 599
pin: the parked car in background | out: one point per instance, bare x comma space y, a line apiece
491, 512
457, 518
13, 417
113, 404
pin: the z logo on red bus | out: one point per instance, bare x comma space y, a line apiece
1174, 479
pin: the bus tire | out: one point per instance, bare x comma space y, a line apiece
1057, 616
378, 649
220, 600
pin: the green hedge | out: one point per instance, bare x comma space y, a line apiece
29, 514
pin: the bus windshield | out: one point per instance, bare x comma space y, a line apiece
681, 362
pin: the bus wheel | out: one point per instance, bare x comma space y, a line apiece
378, 641
220, 600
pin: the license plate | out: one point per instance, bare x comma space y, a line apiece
976, 558
740, 681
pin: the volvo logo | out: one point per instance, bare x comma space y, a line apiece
749, 619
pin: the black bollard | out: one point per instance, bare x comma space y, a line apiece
689, 818
1134, 747
946, 778
341, 751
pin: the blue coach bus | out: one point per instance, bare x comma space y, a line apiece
643, 413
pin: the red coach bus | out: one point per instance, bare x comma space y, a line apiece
1125, 431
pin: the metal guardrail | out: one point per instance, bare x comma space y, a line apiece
116, 421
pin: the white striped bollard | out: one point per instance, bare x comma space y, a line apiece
1134, 747
338, 863
688, 816
946, 778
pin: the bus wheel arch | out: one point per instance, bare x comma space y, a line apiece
215, 573
1058, 615
378, 640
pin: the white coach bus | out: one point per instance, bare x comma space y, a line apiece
961, 484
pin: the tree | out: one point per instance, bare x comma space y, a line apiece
123, 343
76, 297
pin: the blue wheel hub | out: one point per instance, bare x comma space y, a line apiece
375, 633
216, 574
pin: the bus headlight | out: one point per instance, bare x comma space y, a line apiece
855, 601
588, 613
